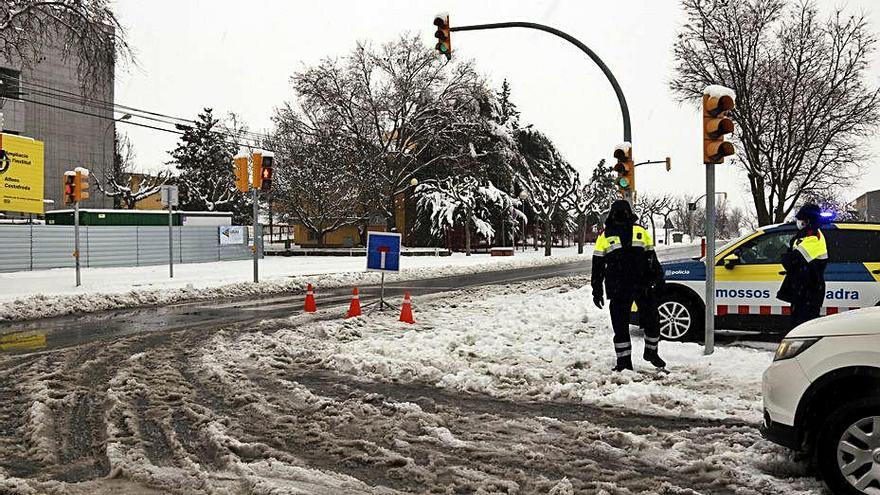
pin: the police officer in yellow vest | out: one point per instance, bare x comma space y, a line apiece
804, 263
624, 264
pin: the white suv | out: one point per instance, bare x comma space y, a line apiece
822, 396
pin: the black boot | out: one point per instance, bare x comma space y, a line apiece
623, 363
651, 355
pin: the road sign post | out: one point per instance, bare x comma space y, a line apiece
383, 255
170, 199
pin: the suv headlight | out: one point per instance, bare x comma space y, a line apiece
790, 348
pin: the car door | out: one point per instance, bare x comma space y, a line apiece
852, 277
747, 283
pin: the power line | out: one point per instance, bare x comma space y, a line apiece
237, 143
74, 98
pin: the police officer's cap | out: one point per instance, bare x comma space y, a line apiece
809, 213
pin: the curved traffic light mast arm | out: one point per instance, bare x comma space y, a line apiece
624, 109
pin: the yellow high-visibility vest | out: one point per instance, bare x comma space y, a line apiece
812, 247
640, 239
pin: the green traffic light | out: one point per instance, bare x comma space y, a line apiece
622, 182
442, 47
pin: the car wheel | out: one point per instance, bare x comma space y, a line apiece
680, 319
848, 450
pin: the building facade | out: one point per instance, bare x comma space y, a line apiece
47, 102
868, 206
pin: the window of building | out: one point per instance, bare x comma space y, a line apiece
10, 86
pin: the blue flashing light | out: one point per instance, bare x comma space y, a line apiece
828, 215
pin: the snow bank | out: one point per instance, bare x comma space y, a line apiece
47, 293
520, 342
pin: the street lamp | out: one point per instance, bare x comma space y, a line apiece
104, 142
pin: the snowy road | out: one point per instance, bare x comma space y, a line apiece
486, 394
75, 329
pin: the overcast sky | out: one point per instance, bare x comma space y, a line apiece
238, 56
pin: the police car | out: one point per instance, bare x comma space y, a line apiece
748, 273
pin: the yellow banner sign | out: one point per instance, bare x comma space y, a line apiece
21, 174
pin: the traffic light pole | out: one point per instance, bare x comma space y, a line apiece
710, 259
76, 241
255, 194
624, 109
170, 238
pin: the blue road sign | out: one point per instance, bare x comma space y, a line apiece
383, 251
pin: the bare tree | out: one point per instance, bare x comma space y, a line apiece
547, 178
666, 211
591, 198
86, 31
122, 184
648, 207
804, 106
312, 185
399, 107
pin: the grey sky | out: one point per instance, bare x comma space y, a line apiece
238, 56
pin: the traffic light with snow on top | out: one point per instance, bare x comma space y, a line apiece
240, 167
717, 101
81, 178
257, 175
444, 43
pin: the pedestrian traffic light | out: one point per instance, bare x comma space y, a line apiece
717, 101
80, 190
266, 172
69, 187
257, 180
240, 165
444, 43
626, 170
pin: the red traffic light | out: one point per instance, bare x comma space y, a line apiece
266, 172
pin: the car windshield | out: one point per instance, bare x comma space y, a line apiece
727, 245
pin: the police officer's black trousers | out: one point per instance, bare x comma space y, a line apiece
801, 313
620, 308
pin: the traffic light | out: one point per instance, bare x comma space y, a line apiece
81, 177
626, 170
257, 180
266, 172
717, 101
240, 164
69, 188
444, 43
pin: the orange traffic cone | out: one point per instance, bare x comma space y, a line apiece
406, 315
311, 307
355, 308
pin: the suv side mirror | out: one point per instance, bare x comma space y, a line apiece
731, 260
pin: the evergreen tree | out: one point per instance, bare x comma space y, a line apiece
204, 159
507, 112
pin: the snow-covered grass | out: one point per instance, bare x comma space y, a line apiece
519, 342
46, 293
